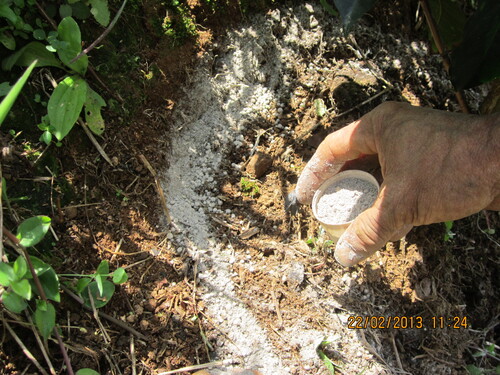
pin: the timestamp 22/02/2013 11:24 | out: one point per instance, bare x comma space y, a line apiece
406, 322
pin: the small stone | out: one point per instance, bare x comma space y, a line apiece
313, 22
131, 318
144, 324
70, 212
115, 161
139, 309
259, 164
309, 8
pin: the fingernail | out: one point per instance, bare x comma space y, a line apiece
346, 253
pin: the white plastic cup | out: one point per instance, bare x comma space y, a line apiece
335, 230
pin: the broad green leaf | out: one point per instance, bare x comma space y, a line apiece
50, 285
450, 21
329, 8
8, 40
20, 267
100, 11
6, 274
320, 107
69, 32
103, 268
39, 266
93, 116
352, 10
11, 97
80, 10
29, 53
31, 231
13, 302
65, 10
22, 288
86, 371
477, 59
65, 105
99, 299
45, 318
39, 34
46, 137
120, 276
6, 12
4, 88
82, 283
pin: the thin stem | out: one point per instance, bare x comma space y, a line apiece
439, 44
38, 285
102, 36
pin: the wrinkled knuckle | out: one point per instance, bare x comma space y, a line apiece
375, 229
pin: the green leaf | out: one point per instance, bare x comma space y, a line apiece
93, 116
100, 299
80, 10
69, 32
65, 10
477, 59
8, 40
329, 8
82, 283
103, 268
45, 318
65, 105
450, 21
46, 137
99, 280
39, 266
474, 370
6, 274
326, 361
6, 12
13, 302
11, 97
20, 267
22, 288
4, 88
320, 107
31, 231
120, 276
50, 285
352, 10
86, 371
100, 11
29, 53
39, 34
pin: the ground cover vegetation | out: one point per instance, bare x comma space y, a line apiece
66, 97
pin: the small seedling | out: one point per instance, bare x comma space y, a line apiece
97, 286
321, 350
249, 187
448, 235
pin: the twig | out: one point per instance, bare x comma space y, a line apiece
47, 17
396, 353
103, 35
104, 315
41, 292
226, 362
132, 354
107, 339
25, 350
159, 190
94, 141
439, 44
41, 345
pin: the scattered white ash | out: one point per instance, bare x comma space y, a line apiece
343, 201
249, 80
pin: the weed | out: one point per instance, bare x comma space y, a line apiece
319, 244
249, 187
448, 235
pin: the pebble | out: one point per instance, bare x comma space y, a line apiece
259, 164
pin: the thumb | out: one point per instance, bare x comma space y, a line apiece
367, 234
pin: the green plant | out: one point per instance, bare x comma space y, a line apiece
18, 278
249, 187
321, 351
448, 235
489, 350
319, 244
96, 290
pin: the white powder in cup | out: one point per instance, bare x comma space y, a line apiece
344, 200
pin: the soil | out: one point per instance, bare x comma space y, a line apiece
222, 273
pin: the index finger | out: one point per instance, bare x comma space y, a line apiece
351, 142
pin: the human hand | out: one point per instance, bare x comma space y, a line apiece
436, 165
